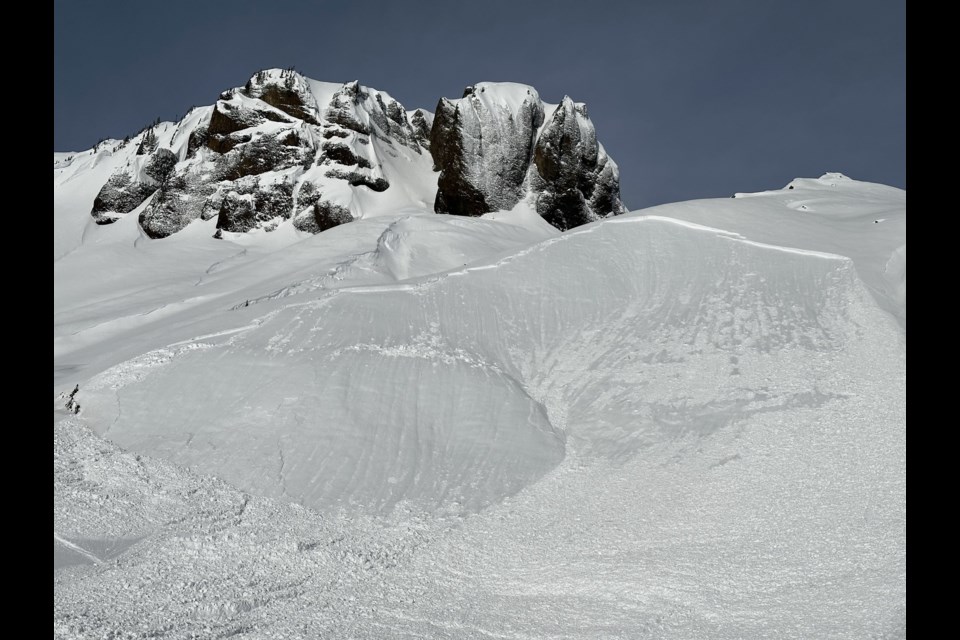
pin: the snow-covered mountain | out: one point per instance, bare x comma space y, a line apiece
285, 149
686, 421
453, 357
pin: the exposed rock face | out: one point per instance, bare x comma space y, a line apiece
493, 149
343, 154
130, 186
369, 112
342, 109
242, 211
118, 196
322, 216
242, 159
287, 148
574, 180
482, 145
422, 123
227, 118
289, 92
167, 213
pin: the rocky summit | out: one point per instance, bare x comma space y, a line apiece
285, 149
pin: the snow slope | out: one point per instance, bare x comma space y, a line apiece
683, 422
864, 221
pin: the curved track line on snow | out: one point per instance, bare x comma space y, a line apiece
434, 278
73, 547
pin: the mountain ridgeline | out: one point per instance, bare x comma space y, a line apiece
287, 149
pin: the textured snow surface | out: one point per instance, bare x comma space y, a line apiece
684, 422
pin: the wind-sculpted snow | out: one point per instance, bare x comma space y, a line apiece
320, 429
644, 427
865, 221
461, 386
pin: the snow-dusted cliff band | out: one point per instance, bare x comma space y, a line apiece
288, 149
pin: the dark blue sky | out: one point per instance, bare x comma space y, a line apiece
692, 98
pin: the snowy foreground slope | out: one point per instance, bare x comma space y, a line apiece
683, 422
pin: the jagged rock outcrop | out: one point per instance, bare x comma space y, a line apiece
482, 145
322, 215
288, 91
242, 159
128, 187
245, 209
573, 179
286, 148
118, 196
500, 143
421, 122
369, 112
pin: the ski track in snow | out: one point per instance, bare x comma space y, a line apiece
73, 547
680, 423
